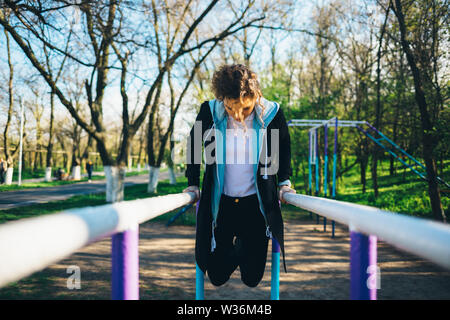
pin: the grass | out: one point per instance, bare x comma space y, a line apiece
43, 184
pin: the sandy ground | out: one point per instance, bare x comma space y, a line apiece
318, 268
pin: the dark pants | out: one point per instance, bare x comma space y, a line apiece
241, 219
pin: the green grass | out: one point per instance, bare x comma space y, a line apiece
43, 184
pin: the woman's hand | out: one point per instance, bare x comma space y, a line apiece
195, 190
282, 190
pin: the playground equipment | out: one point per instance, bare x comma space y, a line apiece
29, 245
371, 132
178, 214
424, 238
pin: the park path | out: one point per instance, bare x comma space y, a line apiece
318, 268
12, 199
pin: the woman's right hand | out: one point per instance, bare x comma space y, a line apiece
195, 190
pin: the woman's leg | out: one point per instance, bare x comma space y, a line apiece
252, 244
223, 261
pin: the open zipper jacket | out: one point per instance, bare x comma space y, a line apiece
214, 118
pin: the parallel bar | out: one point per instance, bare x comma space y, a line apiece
31, 244
424, 238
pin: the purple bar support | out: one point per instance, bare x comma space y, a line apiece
363, 267
125, 265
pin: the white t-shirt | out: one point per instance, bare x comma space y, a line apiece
239, 180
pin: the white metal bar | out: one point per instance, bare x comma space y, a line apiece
424, 238
318, 123
30, 245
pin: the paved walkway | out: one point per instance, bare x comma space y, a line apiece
11, 199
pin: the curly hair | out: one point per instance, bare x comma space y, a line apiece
236, 81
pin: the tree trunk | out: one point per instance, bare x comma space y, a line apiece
378, 106
153, 179
76, 172
115, 178
428, 140
363, 165
9, 175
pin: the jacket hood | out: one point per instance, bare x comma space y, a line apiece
267, 111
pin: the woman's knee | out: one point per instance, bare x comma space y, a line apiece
217, 279
251, 281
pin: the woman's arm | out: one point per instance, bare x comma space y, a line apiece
194, 153
284, 169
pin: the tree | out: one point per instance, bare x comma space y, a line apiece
169, 47
420, 45
110, 29
378, 106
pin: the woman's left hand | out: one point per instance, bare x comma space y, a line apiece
284, 189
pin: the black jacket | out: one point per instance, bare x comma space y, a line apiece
267, 187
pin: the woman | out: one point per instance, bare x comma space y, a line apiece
239, 209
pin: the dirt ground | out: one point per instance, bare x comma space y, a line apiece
318, 268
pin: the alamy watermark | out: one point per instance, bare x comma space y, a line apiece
74, 280
374, 279
268, 155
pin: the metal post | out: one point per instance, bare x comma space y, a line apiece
363, 266
333, 192
275, 279
309, 164
199, 284
125, 265
310, 159
316, 148
199, 275
325, 167
325, 171
275, 282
